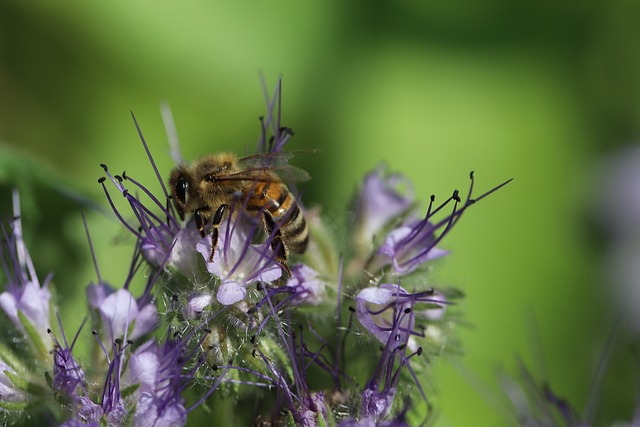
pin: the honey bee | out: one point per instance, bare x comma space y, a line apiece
210, 186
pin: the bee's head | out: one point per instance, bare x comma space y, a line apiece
179, 185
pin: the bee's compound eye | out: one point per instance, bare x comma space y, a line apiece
182, 185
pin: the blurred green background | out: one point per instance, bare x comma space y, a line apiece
537, 91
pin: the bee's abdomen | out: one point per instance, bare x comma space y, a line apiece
295, 230
285, 211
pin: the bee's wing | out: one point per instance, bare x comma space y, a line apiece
255, 168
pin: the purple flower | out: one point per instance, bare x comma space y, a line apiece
413, 243
380, 201
369, 422
156, 233
77, 423
153, 412
161, 372
387, 312
618, 192
236, 261
307, 285
197, 303
24, 300
409, 246
69, 381
68, 376
120, 313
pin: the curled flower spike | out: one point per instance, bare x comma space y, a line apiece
251, 300
237, 261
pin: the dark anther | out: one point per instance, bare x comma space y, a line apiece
214, 367
230, 361
253, 339
118, 341
259, 286
101, 179
433, 197
254, 353
48, 330
103, 166
207, 330
407, 310
351, 309
419, 352
94, 332
288, 130
124, 174
471, 175
129, 342
456, 196
118, 177
125, 193
174, 297
176, 334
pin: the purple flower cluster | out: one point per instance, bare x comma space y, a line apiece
301, 340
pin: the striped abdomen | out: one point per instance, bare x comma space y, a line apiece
276, 198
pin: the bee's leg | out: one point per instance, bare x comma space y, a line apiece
215, 227
277, 245
200, 224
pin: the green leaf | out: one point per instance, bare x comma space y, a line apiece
8, 357
22, 383
128, 391
14, 406
34, 337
